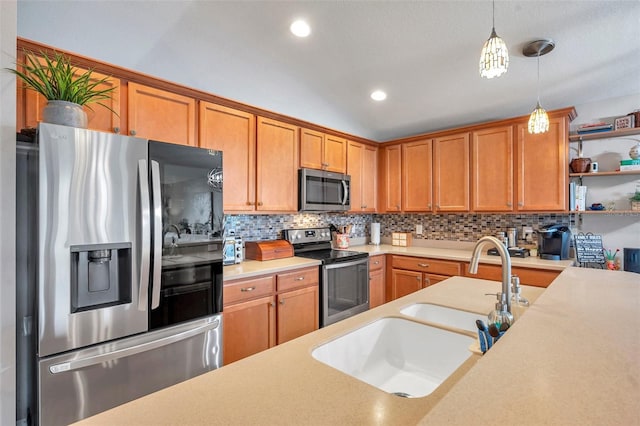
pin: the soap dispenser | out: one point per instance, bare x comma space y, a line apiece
500, 315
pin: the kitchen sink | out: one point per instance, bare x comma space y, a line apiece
449, 317
396, 355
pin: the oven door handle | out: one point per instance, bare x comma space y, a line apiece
345, 264
345, 187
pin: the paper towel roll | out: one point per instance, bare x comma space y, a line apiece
375, 233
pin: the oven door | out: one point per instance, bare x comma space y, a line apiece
323, 191
344, 291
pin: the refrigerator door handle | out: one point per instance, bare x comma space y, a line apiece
157, 233
145, 213
133, 350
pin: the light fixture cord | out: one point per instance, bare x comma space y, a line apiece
493, 14
538, 76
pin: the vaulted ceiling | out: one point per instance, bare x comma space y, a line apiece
424, 54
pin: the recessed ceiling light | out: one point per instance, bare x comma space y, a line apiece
300, 28
378, 95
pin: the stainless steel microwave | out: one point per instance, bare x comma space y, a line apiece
321, 191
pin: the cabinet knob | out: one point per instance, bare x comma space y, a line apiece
423, 265
377, 262
520, 204
259, 203
508, 204
132, 132
418, 279
364, 206
427, 281
116, 130
249, 203
272, 304
282, 301
300, 279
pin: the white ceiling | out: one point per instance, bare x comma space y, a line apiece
423, 53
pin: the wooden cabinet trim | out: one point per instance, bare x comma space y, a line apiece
425, 264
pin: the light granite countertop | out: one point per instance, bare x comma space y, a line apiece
571, 358
251, 268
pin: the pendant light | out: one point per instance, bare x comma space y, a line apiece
539, 120
494, 59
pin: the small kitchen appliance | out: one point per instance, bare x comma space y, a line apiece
232, 251
344, 277
553, 242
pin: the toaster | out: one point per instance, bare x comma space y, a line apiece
232, 250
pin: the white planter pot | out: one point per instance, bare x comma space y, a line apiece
64, 113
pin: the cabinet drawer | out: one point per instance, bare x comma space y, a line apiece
423, 264
298, 278
528, 276
376, 262
236, 291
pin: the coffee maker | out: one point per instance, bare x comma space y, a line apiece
553, 242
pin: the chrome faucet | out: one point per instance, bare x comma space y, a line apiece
167, 229
506, 266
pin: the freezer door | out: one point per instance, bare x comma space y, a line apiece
86, 382
94, 231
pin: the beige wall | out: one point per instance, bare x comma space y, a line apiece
8, 32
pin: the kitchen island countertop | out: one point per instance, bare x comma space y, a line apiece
572, 358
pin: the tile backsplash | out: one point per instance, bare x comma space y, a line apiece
450, 227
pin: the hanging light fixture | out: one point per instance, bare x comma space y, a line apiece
494, 59
539, 120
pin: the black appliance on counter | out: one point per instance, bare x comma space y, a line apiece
553, 242
344, 278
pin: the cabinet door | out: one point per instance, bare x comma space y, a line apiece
431, 279
376, 288
404, 282
335, 154
30, 104
355, 163
451, 173
248, 328
392, 178
298, 313
311, 147
492, 170
369, 179
542, 168
277, 166
161, 115
416, 176
234, 133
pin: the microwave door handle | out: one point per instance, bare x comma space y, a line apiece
157, 234
145, 219
346, 192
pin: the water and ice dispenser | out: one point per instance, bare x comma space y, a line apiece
100, 275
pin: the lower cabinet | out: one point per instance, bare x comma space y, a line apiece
528, 276
267, 310
409, 274
376, 281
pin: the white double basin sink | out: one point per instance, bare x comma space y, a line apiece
401, 356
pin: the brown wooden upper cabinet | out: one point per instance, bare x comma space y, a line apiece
417, 195
451, 165
29, 105
161, 115
492, 169
391, 171
541, 162
276, 166
234, 133
362, 162
322, 151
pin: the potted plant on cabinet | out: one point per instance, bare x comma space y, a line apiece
66, 88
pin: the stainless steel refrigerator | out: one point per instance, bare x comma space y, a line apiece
119, 270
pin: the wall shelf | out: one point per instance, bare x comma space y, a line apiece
575, 137
599, 174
